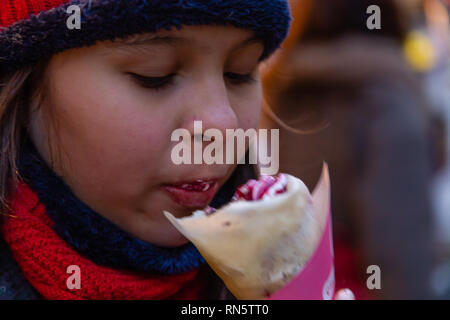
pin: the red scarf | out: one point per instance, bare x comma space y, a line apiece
44, 258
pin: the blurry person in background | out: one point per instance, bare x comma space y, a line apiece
344, 94
434, 71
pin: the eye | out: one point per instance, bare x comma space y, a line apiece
153, 82
236, 78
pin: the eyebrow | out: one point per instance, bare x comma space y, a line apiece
147, 40
252, 40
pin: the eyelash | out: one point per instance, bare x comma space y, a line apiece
160, 83
238, 79
154, 83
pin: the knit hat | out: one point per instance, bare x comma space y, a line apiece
31, 30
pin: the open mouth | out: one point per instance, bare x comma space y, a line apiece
197, 186
193, 195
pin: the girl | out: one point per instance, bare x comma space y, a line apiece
86, 118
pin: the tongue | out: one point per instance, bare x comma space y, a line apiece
197, 186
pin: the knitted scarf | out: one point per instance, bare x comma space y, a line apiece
50, 229
46, 261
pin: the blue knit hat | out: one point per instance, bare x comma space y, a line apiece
31, 30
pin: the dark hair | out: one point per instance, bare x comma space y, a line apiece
17, 91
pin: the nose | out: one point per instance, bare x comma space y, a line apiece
209, 103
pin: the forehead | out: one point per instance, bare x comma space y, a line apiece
202, 37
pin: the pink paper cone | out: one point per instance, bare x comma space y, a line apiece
316, 281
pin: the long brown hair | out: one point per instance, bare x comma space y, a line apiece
18, 91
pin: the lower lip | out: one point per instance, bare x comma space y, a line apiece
192, 199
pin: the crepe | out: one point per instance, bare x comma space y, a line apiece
256, 247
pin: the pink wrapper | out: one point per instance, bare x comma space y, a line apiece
316, 281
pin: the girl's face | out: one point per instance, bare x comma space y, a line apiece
115, 106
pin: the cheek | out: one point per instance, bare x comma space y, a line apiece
114, 139
247, 106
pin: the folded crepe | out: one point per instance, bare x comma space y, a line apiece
263, 239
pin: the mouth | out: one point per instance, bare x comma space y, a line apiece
194, 194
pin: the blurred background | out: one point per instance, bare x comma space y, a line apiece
375, 105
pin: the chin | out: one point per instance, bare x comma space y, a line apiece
176, 241
173, 239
